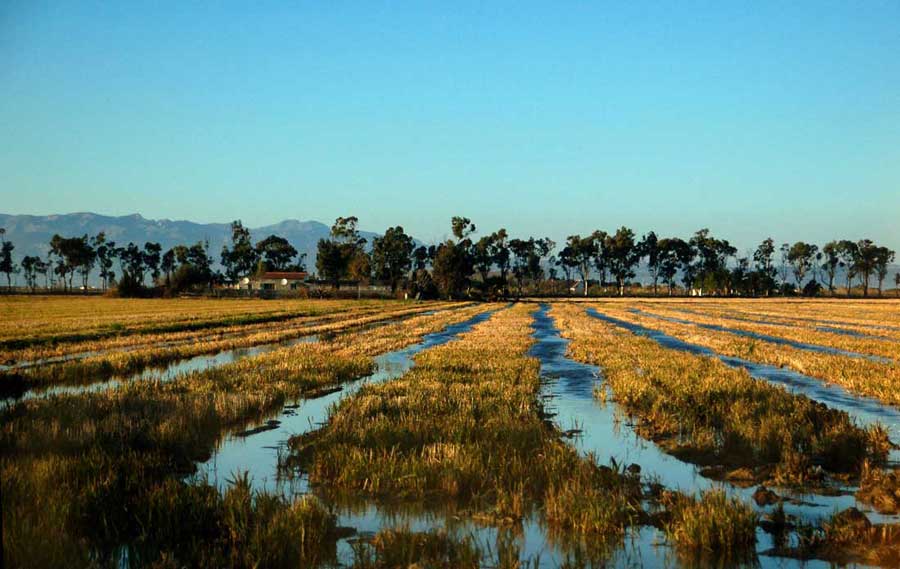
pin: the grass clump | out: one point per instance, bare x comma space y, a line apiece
400, 547
880, 489
711, 524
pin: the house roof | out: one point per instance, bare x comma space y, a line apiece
276, 275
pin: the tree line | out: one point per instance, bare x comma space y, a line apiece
491, 266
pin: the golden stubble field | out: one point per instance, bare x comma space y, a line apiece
98, 470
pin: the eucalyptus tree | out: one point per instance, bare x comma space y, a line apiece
152, 257
242, 257
7, 265
832, 254
167, 265
866, 259
582, 253
763, 260
674, 254
74, 254
276, 252
649, 247
622, 254
883, 259
802, 257
483, 257
31, 267
849, 255
106, 253
500, 253
335, 253
566, 262
453, 264
392, 255
132, 263
712, 254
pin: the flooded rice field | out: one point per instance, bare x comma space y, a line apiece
555, 434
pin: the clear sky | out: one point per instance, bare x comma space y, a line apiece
751, 118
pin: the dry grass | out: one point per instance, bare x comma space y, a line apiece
871, 379
708, 413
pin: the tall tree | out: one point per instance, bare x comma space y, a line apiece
849, 254
802, 258
483, 258
335, 253
241, 259
392, 255
674, 255
31, 267
106, 252
501, 255
453, 264
866, 259
649, 247
622, 254
883, 258
132, 262
360, 270
276, 252
7, 265
582, 252
712, 256
832, 256
167, 265
152, 258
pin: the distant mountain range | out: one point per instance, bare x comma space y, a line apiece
31, 234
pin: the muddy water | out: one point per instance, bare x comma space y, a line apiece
766, 337
864, 410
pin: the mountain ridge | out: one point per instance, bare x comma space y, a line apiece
31, 234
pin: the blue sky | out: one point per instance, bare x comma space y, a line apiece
753, 118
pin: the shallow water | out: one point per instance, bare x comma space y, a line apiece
570, 387
766, 337
258, 454
200, 362
169, 372
763, 319
864, 410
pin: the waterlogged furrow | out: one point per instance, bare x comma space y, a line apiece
708, 413
111, 456
871, 330
464, 430
53, 353
32, 320
877, 380
464, 425
804, 339
98, 368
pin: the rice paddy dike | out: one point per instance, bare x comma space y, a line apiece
561, 434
